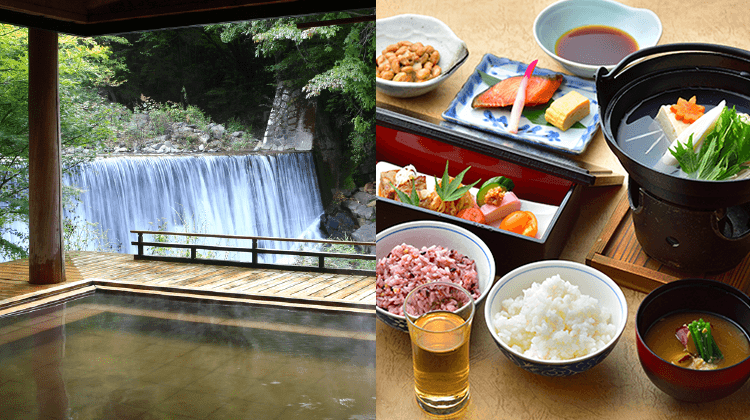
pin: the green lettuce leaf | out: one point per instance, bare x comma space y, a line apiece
723, 153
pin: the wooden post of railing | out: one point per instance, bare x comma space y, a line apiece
321, 261
140, 244
193, 252
255, 251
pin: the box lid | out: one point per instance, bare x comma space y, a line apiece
524, 154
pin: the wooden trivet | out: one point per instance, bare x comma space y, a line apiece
618, 254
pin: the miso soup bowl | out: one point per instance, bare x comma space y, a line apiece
560, 17
589, 280
692, 295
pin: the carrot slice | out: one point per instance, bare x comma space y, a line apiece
687, 111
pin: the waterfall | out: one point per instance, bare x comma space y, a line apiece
255, 195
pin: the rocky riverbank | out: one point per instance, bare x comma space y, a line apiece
178, 138
351, 216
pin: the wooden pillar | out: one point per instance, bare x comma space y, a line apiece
46, 259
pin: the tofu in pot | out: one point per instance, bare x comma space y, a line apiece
672, 126
669, 123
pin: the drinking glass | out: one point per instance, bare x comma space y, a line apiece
439, 316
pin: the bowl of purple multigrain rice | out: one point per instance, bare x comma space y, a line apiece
415, 253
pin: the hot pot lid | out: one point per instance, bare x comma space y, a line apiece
648, 74
523, 154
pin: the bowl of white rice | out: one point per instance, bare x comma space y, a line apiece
417, 252
556, 318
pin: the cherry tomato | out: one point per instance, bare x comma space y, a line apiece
473, 214
521, 222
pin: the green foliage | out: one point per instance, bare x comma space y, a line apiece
164, 114
411, 199
85, 118
349, 183
14, 203
187, 224
336, 60
193, 67
152, 119
239, 145
451, 189
339, 263
79, 236
234, 124
161, 226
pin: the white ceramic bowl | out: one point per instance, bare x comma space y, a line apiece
427, 233
589, 280
429, 31
558, 18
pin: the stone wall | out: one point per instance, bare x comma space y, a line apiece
295, 124
291, 124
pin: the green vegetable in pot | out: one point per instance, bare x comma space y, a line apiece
724, 151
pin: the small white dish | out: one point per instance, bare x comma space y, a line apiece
558, 18
428, 31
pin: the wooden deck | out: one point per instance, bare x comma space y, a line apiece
111, 270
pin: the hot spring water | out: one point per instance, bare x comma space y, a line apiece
125, 356
255, 195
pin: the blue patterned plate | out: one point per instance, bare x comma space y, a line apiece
495, 120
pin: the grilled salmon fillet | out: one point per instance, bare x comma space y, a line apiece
539, 91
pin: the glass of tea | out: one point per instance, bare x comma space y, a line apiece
439, 316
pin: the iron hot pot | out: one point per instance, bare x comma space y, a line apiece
689, 224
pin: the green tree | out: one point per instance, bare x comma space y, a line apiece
13, 133
193, 67
85, 118
335, 60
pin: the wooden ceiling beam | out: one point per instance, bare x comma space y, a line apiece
73, 11
100, 17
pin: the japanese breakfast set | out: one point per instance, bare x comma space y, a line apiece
488, 192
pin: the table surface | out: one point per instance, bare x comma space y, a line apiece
617, 388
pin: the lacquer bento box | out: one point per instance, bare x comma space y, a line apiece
546, 184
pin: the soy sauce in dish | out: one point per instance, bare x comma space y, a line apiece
595, 44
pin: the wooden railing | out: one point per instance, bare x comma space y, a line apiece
254, 249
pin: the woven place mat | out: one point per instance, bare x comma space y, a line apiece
618, 254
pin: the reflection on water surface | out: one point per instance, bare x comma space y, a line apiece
118, 356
